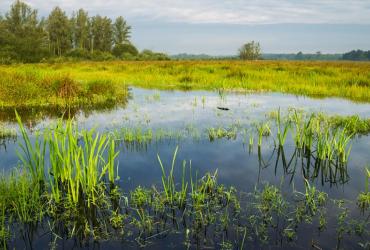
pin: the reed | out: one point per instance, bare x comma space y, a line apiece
168, 180
282, 129
68, 174
263, 130
33, 157
78, 163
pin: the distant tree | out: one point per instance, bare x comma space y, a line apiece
299, 56
81, 29
60, 32
101, 33
121, 31
357, 55
250, 51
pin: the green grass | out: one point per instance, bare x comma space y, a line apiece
29, 86
89, 83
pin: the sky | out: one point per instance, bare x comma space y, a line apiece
220, 27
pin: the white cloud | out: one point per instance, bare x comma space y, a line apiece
219, 11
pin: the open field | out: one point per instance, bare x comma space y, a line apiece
89, 83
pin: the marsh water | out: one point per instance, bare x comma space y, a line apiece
236, 163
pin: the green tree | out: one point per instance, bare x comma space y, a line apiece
59, 31
250, 51
21, 34
101, 33
121, 31
81, 29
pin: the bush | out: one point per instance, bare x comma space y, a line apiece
125, 50
79, 53
66, 87
150, 55
101, 56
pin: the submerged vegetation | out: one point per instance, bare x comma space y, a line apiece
96, 82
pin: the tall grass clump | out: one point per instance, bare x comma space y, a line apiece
40, 88
74, 170
78, 164
32, 155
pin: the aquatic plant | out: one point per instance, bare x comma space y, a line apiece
173, 197
33, 157
263, 130
220, 132
79, 167
282, 132
363, 199
7, 132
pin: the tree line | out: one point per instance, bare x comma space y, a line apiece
357, 55
25, 37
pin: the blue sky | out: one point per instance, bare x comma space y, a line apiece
219, 27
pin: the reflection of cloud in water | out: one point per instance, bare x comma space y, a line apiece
176, 108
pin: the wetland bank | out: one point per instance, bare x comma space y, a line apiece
209, 167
